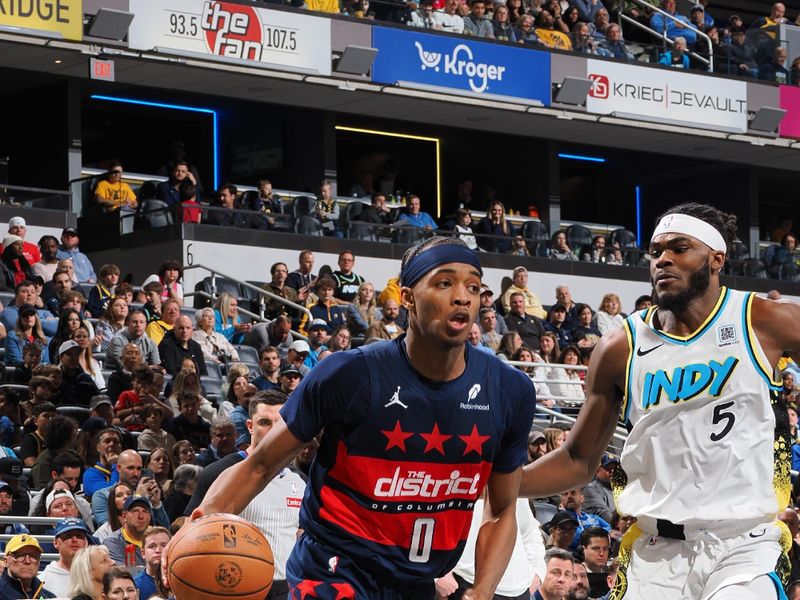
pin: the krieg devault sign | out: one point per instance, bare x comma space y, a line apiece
234, 31
64, 17
458, 63
697, 100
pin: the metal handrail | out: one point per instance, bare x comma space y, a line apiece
663, 35
619, 433
29, 520
250, 286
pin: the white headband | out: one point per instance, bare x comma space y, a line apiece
697, 228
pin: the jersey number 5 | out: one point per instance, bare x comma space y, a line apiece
421, 540
721, 413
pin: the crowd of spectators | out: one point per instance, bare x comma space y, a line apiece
126, 404
593, 27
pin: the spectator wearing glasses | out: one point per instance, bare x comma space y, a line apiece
112, 193
19, 580
561, 529
347, 281
71, 535
598, 497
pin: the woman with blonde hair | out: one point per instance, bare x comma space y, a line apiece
229, 324
215, 346
365, 303
86, 573
495, 225
555, 438
608, 317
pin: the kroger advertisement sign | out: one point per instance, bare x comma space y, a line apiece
477, 67
697, 100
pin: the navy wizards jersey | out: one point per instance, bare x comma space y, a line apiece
403, 459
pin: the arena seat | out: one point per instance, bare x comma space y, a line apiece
308, 225
544, 511
156, 213
303, 206
537, 237
78, 413
247, 354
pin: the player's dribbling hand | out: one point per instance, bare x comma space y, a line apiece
197, 513
445, 586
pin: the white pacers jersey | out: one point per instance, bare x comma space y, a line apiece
702, 445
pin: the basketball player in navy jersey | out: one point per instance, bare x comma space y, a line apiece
705, 468
413, 429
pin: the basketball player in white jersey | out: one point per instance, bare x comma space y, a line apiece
705, 466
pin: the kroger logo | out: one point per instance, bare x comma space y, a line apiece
461, 64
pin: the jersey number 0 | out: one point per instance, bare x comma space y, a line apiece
421, 540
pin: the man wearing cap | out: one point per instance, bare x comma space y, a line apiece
557, 323
15, 267
387, 328
69, 249
296, 356
537, 445
177, 345
290, 379
487, 301
19, 580
533, 306
561, 529
25, 293
17, 226
11, 473
598, 497
421, 401
77, 386
71, 535
318, 334
269, 368
125, 544
7, 509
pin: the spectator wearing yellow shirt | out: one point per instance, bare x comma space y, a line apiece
112, 193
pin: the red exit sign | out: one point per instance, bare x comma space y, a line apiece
101, 69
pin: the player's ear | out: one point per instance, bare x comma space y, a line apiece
407, 298
716, 261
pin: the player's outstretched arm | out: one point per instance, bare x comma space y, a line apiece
497, 534
575, 463
238, 485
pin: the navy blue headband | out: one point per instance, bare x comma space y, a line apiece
427, 260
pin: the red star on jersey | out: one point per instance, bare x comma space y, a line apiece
344, 591
307, 588
435, 440
397, 437
474, 441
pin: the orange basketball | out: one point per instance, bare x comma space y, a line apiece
220, 556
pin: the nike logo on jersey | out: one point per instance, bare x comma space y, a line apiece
395, 399
687, 382
640, 352
753, 535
